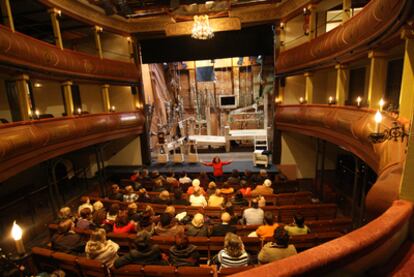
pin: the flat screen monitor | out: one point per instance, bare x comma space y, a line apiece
228, 101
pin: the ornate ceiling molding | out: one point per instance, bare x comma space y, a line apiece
25, 144
217, 24
19, 50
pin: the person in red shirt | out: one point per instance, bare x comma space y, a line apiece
217, 165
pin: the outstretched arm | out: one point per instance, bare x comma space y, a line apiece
228, 162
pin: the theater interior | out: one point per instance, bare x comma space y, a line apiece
115, 110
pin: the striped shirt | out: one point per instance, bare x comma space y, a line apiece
228, 261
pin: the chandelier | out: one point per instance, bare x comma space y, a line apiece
201, 28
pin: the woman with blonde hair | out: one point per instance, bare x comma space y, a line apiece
233, 254
100, 249
197, 228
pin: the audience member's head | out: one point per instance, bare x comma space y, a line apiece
238, 196
195, 183
198, 220
85, 213
155, 173
255, 203
229, 208
212, 185
225, 217
129, 189
269, 218
247, 173
65, 213
99, 235
171, 174
145, 173
165, 219
170, 210
244, 184
235, 173
281, 237
217, 192
178, 194
203, 174
132, 208
114, 209
263, 172
299, 220
65, 226
142, 240
164, 195
267, 183
97, 206
233, 245
115, 188
122, 219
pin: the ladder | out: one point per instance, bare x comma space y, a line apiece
260, 143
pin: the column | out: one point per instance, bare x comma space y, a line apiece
406, 93
312, 22
105, 98
282, 35
377, 78
309, 87
6, 9
54, 13
68, 100
342, 83
346, 10
130, 42
97, 33
23, 97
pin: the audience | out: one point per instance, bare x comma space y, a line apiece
115, 193
234, 179
246, 190
132, 212
211, 188
163, 198
85, 220
278, 249
178, 198
298, 226
203, 179
269, 227
86, 203
195, 186
143, 252
100, 249
171, 181
253, 215
224, 227
264, 189
143, 196
66, 240
197, 228
184, 179
168, 227
182, 253
239, 200
216, 200
130, 196
123, 225
227, 189
64, 213
233, 254
112, 213
261, 177
197, 199
145, 222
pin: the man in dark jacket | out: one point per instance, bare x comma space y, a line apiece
66, 240
183, 253
144, 253
224, 227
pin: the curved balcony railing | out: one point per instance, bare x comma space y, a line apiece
378, 19
27, 143
19, 50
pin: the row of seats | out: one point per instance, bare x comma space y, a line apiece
47, 260
283, 214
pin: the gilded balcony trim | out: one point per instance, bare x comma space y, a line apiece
25, 144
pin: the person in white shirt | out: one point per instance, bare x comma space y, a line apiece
184, 179
197, 199
253, 215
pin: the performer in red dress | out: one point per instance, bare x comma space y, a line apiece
217, 165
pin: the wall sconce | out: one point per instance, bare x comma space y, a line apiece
396, 131
381, 104
302, 100
17, 234
306, 11
278, 100
359, 100
37, 113
282, 25
331, 100
79, 110
112, 109
98, 29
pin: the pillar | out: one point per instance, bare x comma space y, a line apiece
67, 94
97, 33
105, 98
346, 10
6, 10
377, 78
406, 92
342, 84
309, 87
23, 97
312, 22
54, 13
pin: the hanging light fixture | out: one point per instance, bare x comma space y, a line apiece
201, 28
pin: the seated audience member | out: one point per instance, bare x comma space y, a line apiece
216, 200
66, 240
183, 253
184, 179
298, 227
143, 196
158, 178
226, 189
158, 186
163, 198
146, 222
234, 179
253, 215
248, 177
211, 188
239, 200
123, 225
86, 203
99, 214
203, 178
135, 176
245, 189
229, 208
115, 193
262, 201
178, 198
132, 212
85, 220
264, 189
112, 213
167, 226
171, 181
64, 213
195, 186
233, 254
278, 249
143, 252
224, 227
261, 177
146, 180
170, 210
197, 199
269, 227
130, 196
100, 249
197, 228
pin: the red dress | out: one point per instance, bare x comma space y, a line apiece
217, 168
